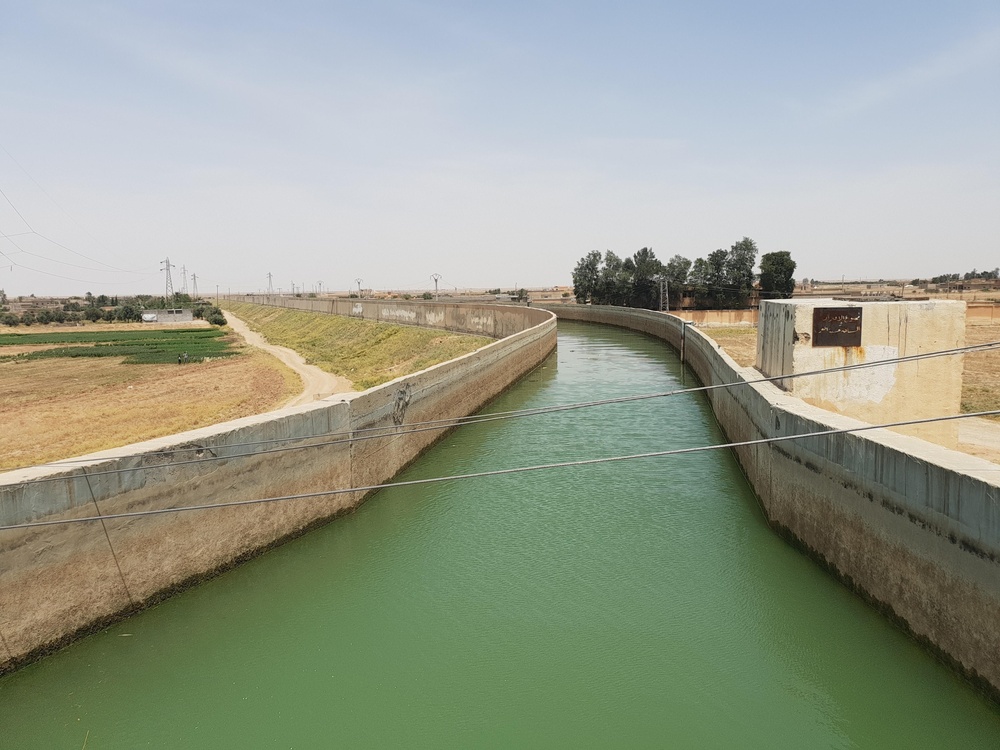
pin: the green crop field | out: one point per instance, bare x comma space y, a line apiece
137, 347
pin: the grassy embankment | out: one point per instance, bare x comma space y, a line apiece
60, 400
980, 380
365, 352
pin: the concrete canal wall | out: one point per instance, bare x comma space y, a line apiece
60, 581
911, 526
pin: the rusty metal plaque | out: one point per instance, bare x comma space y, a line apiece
836, 326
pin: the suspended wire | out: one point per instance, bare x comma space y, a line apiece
30, 228
448, 423
375, 433
65, 212
495, 472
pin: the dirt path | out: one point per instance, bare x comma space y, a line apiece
316, 382
980, 437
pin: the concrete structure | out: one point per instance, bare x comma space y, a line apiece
57, 582
913, 527
172, 315
797, 336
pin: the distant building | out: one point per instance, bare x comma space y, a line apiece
176, 315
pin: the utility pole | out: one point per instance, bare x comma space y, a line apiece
359, 287
436, 276
184, 280
167, 265
194, 283
270, 286
216, 295
320, 283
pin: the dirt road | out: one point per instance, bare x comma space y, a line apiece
980, 437
316, 382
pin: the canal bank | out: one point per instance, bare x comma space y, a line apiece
59, 582
639, 604
912, 527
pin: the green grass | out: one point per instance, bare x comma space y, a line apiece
137, 347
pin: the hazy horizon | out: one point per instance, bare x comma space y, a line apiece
493, 145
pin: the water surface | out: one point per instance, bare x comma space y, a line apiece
640, 604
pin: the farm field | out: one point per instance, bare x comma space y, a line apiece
60, 400
136, 347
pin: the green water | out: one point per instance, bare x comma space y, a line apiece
640, 604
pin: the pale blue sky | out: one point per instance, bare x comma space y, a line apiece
493, 144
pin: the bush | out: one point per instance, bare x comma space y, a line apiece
9, 319
427, 295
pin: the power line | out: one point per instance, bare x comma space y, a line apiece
56, 204
374, 433
497, 472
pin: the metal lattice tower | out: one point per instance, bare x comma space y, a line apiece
664, 295
194, 283
167, 265
184, 280
270, 285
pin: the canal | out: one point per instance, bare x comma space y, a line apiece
638, 604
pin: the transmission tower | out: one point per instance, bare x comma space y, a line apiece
436, 276
184, 280
270, 285
194, 283
167, 265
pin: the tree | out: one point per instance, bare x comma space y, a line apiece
128, 312
646, 274
740, 260
677, 270
715, 280
613, 284
611, 280
698, 282
586, 276
777, 271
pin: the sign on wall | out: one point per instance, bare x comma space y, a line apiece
836, 326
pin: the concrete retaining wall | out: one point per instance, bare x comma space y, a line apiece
911, 526
60, 581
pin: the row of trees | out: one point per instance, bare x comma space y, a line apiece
722, 280
127, 311
967, 276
